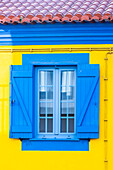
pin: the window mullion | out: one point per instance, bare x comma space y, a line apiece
46, 103
56, 101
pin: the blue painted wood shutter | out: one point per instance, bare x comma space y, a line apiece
88, 101
21, 101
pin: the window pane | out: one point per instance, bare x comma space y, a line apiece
42, 109
64, 78
71, 109
70, 125
49, 92
49, 77
67, 85
70, 93
42, 78
64, 125
42, 125
70, 78
67, 93
49, 125
63, 109
42, 93
67, 78
64, 93
49, 109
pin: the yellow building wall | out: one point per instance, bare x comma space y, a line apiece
99, 156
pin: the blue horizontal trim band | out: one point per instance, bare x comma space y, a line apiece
56, 59
56, 34
41, 145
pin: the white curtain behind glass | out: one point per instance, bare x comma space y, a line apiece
67, 81
42, 81
46, 78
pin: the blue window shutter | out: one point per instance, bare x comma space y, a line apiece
88, 101
21, 101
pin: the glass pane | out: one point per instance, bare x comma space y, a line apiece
70, 93
64, 78
42, 125
70, 78
70, 125
42, 78
64, 93
49, 109
63, 125
67, 78
67, 90
71, 109
63, 109
42, 109
49, 125
49, 92
42, 93
49, 77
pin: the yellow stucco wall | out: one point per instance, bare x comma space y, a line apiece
99, 156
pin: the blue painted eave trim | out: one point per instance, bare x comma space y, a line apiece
41, 145
56, 34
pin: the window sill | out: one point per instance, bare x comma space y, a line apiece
55, 145
54, 139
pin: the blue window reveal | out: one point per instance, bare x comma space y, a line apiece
54, 102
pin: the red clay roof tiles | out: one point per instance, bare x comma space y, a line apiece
33, 11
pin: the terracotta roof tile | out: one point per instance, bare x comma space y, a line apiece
42, 11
